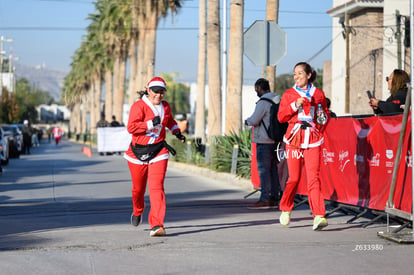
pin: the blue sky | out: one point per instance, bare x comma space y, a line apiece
49, 31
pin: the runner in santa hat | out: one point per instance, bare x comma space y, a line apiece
148, 153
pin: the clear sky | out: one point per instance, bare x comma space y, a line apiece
49, 32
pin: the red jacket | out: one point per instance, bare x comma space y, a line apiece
142, 129
295, 135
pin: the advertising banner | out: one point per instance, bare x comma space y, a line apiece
357, 162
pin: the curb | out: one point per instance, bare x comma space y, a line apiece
208, 173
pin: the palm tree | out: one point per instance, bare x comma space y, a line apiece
200, 123
148, 16
214, 81
272, 14
122, 31
235, 74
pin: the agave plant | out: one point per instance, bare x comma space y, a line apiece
223, 152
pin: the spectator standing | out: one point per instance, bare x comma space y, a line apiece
328, 104
265, 147
397, 85
27, 137
303, 139
114, 122
148, 155
102, 122
35, 137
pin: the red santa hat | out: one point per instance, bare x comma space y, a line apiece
157, 83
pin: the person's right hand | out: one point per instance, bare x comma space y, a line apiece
299, 102
156, 120
373, 102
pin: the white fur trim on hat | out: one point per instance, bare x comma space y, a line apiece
157, 82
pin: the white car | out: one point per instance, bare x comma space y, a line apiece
4, 148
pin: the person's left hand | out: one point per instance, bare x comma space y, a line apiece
180, 136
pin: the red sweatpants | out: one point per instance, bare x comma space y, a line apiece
154, 173
296, 160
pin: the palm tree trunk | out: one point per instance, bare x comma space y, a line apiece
272, 14
119, 81
235, 74
108, 93
96, 112
214, 81
150, 44
141, 78
200, 123
132, 56
117, 95
76, 121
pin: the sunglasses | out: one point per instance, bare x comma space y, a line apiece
387, 78
159, 92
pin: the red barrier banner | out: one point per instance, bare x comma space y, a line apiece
357, 162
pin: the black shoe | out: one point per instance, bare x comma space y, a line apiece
135, 220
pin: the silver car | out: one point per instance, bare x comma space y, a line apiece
4, 148
15, 137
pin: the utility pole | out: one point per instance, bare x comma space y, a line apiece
224, 68
398, 37
347, 95
373, 55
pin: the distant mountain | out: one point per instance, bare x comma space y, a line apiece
43, 78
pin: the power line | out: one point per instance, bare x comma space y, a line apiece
323, 48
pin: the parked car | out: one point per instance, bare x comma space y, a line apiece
4, 148
15, 139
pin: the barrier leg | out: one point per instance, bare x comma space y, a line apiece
365, 211
251, 193
302, 200
380, 216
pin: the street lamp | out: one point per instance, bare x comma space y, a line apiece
2, 52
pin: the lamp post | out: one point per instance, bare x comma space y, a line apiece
2, 52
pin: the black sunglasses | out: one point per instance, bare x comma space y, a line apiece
159, 92
387, 78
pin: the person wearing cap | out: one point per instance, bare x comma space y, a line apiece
148, 153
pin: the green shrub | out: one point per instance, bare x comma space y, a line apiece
222, 152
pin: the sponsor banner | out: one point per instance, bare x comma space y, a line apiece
113, 139
357, 162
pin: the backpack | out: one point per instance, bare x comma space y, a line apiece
276, 130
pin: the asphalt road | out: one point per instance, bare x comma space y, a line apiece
62, 212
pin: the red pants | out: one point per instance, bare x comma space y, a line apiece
296, 160
154, 173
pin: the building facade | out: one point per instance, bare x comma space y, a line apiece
368, 44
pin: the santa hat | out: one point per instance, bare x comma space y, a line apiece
157, 83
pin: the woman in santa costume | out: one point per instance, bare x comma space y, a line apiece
303, 139
148, 153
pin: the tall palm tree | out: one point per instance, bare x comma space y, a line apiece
214, 81
105, 9
122, 31
133, 53
200, 123
235, 74
148, 17
272, 14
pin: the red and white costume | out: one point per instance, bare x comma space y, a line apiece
57, 134
303, 145
144, 132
